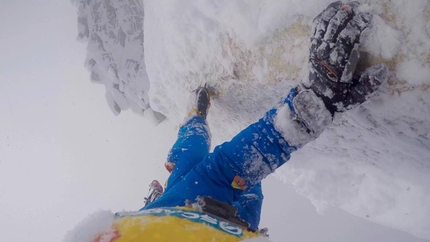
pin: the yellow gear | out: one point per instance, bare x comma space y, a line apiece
173, 224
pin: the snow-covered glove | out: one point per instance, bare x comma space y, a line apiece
334, 54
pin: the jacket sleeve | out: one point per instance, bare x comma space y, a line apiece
267, 144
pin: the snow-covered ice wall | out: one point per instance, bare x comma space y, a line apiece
373, 162
113, 32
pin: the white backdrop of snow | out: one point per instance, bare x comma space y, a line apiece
373, 162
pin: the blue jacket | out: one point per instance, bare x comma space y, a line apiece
233, 171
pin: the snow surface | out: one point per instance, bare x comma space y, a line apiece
373, 162
95, 224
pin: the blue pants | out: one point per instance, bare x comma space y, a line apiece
232, 172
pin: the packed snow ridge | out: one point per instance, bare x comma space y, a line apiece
373, 162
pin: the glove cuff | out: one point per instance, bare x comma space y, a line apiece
311, 111
303, 119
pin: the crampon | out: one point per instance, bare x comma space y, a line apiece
155, 191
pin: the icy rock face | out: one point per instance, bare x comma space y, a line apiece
113, 31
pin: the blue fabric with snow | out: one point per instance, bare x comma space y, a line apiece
191, 147
249, 157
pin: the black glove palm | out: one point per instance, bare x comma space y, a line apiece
334, 54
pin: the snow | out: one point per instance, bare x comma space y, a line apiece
119, 60
384, 40
97, 223
414, 71
58, 158
373, 162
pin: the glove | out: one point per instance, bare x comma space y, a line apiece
334, 55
